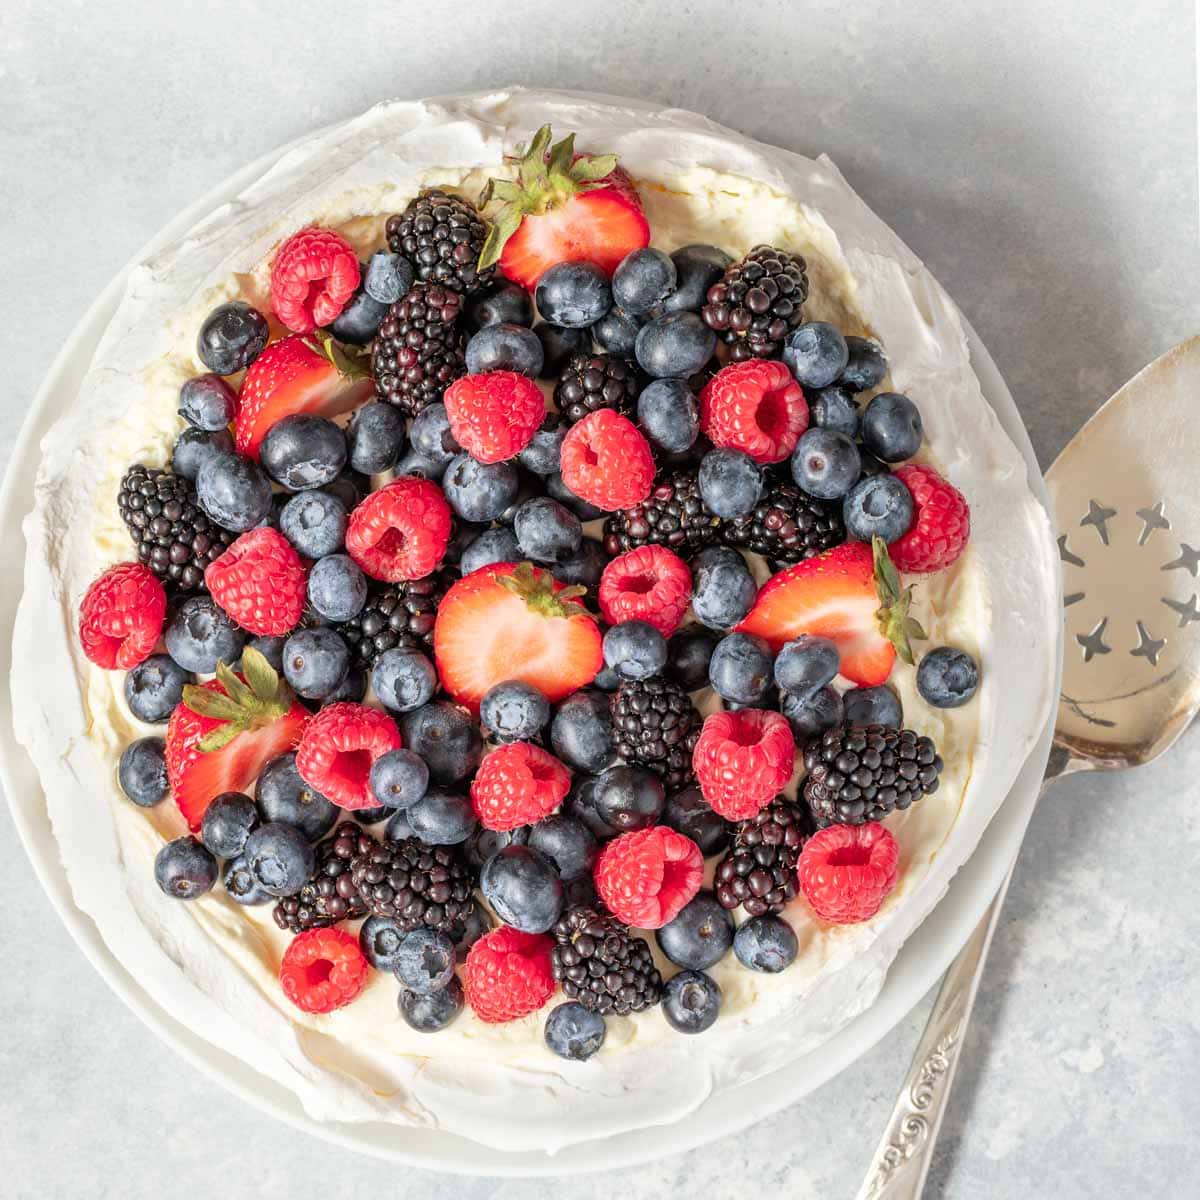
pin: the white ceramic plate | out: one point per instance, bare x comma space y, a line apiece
918, 966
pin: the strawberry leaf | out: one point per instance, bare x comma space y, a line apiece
350, 362
219, 738
593, 167
894, 602
237, 691
205, 702
260, 675
561, 156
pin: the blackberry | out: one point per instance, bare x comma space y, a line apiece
593, 381
442, 236
414, 884
788, 525
757, 302
862, 773
174, 536
656, 726
602, 965
759, 870
420, 348
673, 515
330, 895
395, 614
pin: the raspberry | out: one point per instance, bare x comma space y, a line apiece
121, 616
941, 522
494, 416
314, 274
754, 406
508, 974
646, 877
338, 749
649, 584
518, 784
846, 871
259, 582
401, 531
323, 969
742, 759
607, 462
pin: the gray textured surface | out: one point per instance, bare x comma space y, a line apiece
1041, 160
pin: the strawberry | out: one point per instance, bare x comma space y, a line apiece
509, 621
563, 207
849, 594
298, 374
225, 731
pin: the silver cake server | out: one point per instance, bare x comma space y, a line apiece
1126, 499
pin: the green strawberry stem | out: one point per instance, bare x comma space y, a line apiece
895, 623
536, 588
253, 704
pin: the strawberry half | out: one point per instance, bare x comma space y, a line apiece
225, 731
563, 207
304, 373
851, 595
514, 621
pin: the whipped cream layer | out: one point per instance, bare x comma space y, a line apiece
213, 964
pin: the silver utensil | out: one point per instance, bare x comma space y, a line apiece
1127, 505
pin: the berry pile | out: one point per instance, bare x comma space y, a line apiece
370, 585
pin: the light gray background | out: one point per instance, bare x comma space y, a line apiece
1041, 157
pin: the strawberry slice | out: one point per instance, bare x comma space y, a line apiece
304, 373
851, 595
514, 621
563, 207
225, 731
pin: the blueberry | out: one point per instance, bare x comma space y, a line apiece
677, 344
375, 438
315, 524
635, 649
528, 487
337, 587
607, 680
281, 857
154, 687
200, 635
446, 738
505, 347
811, 715
580, 507
207, 402
699, 936
558, 345
302, 452
352, 688
947, 678
581, 805
687, 812
581, 732
731, 482
403, 679
271, 648
691, 1001
629, 798
616, 332
194, 447
805, 664
523, 888
234, 491
142, 771
865, 365
315, 661
514, 711
477, 491
477, 922
643, 279
567, 843
741, 668
826, 463
878, 506
667, 412
546, 530
232, 337
585, 566
430, 435
184, 869
872, 706
688, 656
766, 943
387, 277
431, 1013
543, 454
816, 354
834, 408
241, 886
573, 294
372, 816
697, 268
283, 796
483, 843
491, 546
350, 488
574, 1032
891, 427
723, 587
503, 303
399, 779
227, 823
360, 320
425, 961
380, 939
398, 829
